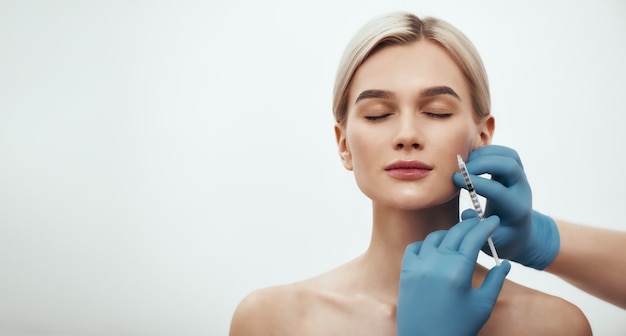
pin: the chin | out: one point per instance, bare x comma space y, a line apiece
417, 206
420, 201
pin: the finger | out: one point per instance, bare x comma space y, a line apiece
410, 255
504, 240
493, 191
432, 242
457, 234
490, 289
468, 214
476, 238
457, 178
496, 150
413, 248
512, 203
502, 168
500, 197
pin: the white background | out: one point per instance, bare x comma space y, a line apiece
161, 159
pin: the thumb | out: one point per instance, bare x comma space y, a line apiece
413, 248
410, 255
490, 289
457, 178
468, 213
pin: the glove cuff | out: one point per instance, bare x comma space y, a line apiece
545, 243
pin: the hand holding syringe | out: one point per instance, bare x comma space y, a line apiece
476, 203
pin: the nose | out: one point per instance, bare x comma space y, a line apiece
408, 135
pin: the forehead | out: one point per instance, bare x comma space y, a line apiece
408, 69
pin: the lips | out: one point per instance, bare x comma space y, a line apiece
408, 169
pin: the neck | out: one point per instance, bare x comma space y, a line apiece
393, 230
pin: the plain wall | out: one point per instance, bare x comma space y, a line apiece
161, 159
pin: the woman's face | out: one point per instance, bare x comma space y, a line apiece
409, 115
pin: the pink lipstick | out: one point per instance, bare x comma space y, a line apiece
408, 169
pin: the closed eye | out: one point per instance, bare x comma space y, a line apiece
377, 117
438, 115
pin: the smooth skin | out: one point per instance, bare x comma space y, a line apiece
592, 259
360, 297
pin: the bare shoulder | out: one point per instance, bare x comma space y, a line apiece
531, 312
326, 304
266, 311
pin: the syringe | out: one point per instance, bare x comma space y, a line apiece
476, 203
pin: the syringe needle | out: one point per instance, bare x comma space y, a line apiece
476, 203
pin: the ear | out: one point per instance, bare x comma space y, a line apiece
486, 129
343, 147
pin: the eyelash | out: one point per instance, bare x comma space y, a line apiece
429, 114
438, 115
378, 117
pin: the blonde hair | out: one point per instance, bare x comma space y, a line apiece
401, 28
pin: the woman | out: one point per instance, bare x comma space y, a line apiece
409, 96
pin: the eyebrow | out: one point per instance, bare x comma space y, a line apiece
374, 94
439, 90
428, 92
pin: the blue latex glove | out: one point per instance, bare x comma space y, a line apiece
525, 235
436, 296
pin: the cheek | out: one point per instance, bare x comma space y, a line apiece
458, 140
464, 143
361, 147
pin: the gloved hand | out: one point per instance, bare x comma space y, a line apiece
436, 295
525, 235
